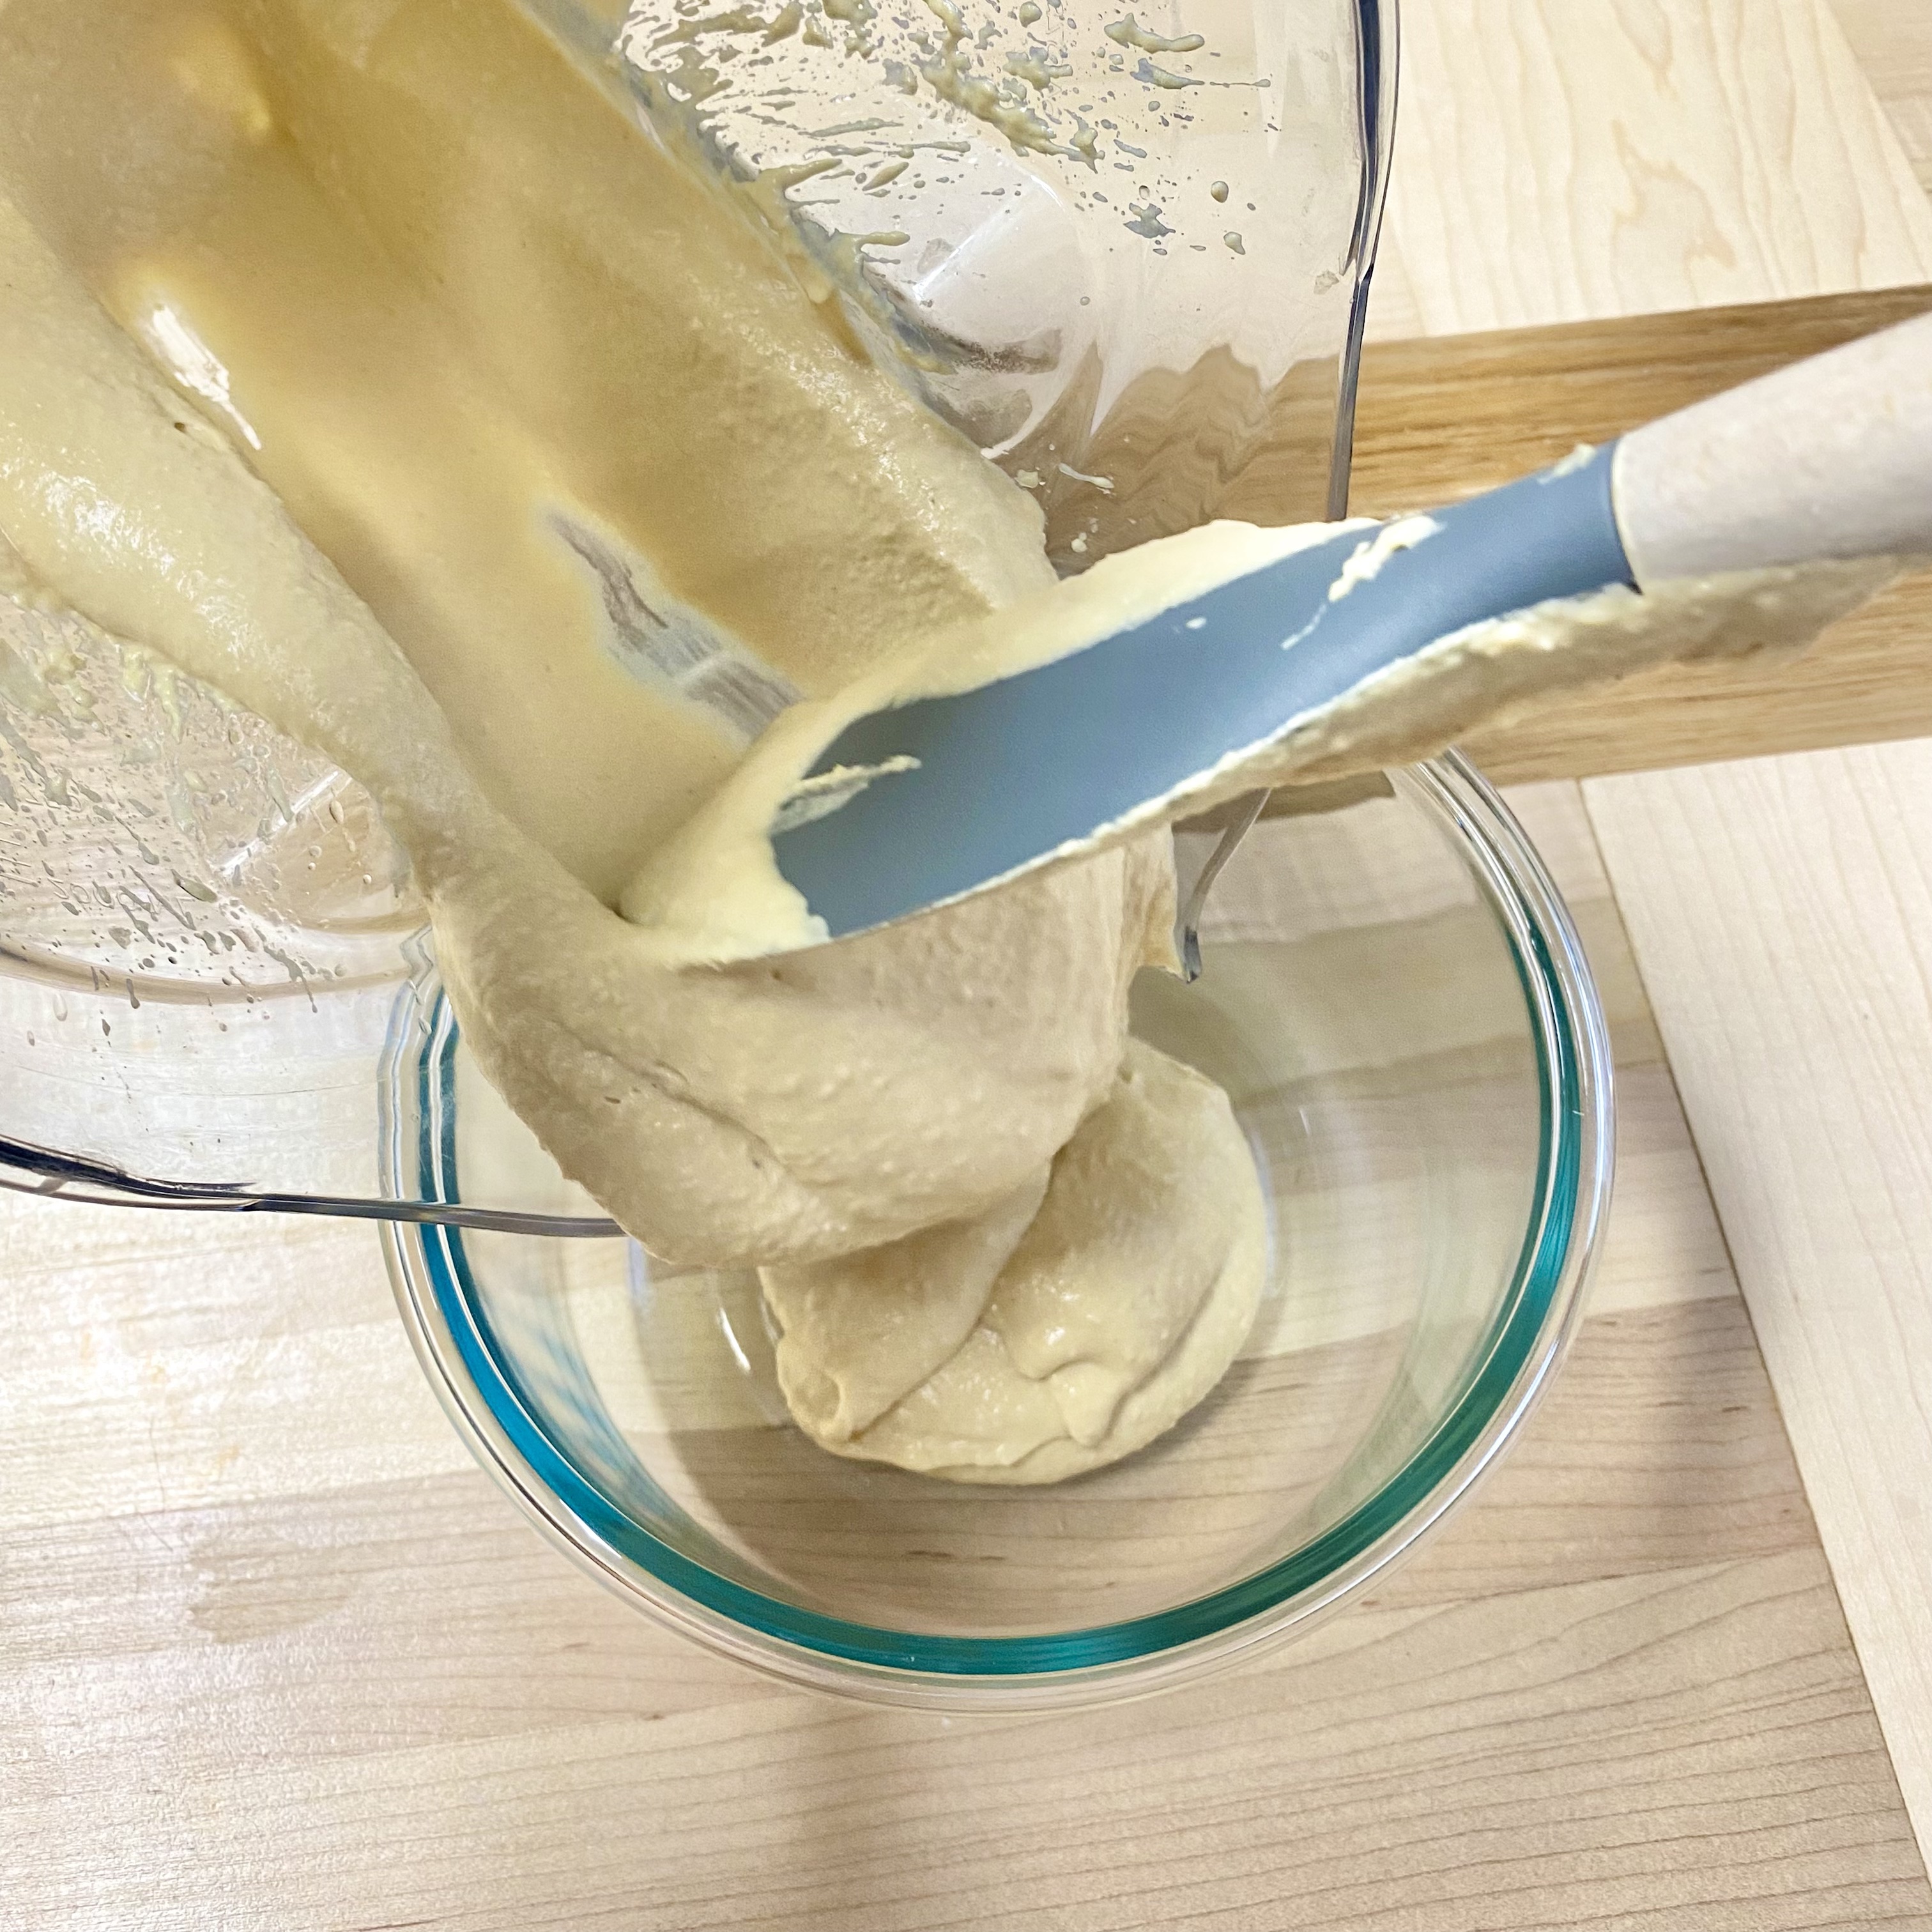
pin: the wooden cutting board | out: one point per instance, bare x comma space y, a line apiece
272, 1655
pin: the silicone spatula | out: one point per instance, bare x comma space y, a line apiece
1829, 458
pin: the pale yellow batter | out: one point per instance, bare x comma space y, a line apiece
1059, 1332
440, 292
556, 484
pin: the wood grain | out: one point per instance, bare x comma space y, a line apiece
1656, 1714
1783, 911
152, 1359
394, 1706
1444, 419
1682, 1750
1560, 159
1892, 41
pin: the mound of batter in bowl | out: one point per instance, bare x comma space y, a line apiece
370, 364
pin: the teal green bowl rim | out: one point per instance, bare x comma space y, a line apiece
1510, 1349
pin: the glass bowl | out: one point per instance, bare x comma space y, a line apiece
1395, 999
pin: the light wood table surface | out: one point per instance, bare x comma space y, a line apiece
274, 1654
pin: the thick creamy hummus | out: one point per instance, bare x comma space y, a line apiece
568, 431
368, 362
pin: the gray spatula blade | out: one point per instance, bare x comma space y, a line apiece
995, 778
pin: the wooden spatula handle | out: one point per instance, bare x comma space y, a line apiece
1831, 457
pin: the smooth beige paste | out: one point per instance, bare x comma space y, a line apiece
452, 294
556, 484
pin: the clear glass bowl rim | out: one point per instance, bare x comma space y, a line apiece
485, 1395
